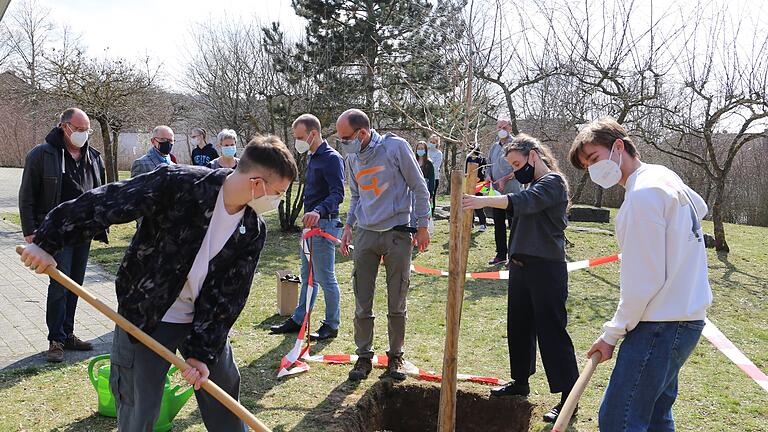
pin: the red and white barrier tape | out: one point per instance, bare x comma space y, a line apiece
722, 343
576, 265
380, 361
290, 363
292, 359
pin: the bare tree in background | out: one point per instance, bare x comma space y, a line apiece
615, 57
721, 105
515, 53
114, 92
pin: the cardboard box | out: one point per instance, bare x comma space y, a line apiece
287, 294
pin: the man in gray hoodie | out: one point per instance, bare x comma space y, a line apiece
382, 173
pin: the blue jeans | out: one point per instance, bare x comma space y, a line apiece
61, 302
323, 272
643, 384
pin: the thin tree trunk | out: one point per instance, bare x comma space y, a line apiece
580, 187
721, 245
116, 153
599, 197
109, 162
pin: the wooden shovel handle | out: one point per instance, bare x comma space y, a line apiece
209, 386
573, 397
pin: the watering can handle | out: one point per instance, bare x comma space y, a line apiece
91, 365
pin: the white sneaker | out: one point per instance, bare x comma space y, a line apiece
481, 229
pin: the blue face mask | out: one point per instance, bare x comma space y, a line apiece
431, 145
351, 145
230, 151
421, 152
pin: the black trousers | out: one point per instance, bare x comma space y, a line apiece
434, 194
480, 213
500, 220
536, 312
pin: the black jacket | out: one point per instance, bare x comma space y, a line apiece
203, 156
176, 203
41, 181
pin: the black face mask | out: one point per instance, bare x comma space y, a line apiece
525, 174
164, 147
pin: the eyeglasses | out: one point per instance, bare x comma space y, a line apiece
77, 129
281, 193
163, 141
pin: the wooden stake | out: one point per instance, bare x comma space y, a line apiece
460, 228
154, 345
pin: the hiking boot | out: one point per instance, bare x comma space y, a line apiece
74, 343
55, 352
511, 389
361, 370
395, 368
554, 413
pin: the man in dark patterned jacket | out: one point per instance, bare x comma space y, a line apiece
187, 273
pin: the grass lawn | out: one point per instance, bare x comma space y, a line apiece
714, 394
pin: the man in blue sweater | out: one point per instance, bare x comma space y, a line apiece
383, 173
323, 192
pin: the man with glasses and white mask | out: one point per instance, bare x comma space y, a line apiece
503, 180
58, 170
159, 152
323, 192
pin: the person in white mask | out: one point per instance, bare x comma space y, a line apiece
186, 274
663, 279
502, 178
227, 144
61, 169
323, 192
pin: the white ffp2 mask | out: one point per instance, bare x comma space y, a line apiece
606, 173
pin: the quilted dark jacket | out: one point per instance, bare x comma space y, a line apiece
176, 203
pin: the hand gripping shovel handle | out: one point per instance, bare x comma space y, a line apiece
209, 386
573, 397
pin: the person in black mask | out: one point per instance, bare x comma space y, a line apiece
159, 152
58, 170
538, 274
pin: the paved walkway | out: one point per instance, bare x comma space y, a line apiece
23, 334
10, 180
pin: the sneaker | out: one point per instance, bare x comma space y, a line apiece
511, 389
552, 415
395, 368
289, 326
497, 261
361, 370
74, 343
55, 352
482, 228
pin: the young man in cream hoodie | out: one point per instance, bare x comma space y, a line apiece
664, 288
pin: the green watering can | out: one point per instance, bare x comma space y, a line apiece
171, 404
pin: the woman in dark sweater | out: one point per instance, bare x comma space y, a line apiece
427, 168
538, 276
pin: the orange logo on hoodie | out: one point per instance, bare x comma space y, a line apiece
374, 183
